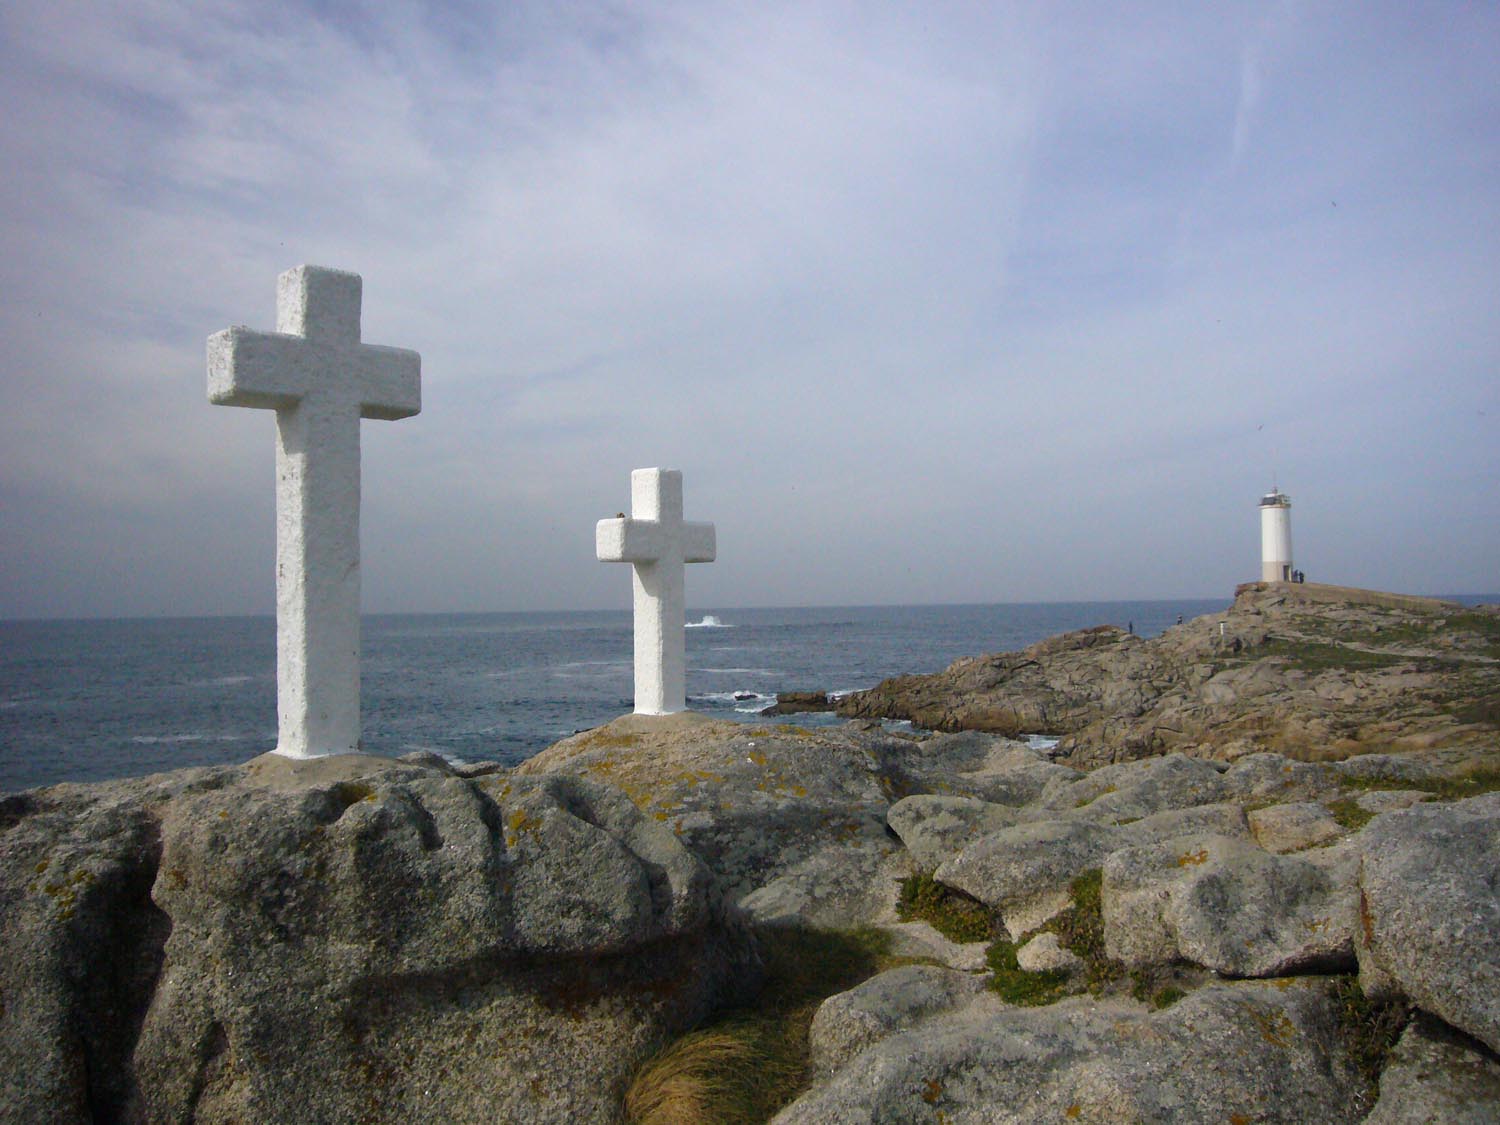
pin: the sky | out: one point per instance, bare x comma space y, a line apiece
937, 303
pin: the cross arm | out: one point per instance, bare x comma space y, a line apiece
699, 543
390, 383
623, 539
270, 370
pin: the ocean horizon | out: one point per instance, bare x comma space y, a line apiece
98, 698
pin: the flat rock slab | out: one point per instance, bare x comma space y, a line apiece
935, 828
1430, 910
1293, 827
1227, 905
1227, 1052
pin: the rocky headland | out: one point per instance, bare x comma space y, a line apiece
1310, 671
1221, 928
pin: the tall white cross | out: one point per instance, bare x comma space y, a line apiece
656, 540
321, 381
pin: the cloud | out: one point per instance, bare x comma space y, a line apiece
954, 304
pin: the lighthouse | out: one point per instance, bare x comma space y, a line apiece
1276, 537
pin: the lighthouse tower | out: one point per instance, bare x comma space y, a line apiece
1275, 537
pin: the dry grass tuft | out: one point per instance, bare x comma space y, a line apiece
691, 1081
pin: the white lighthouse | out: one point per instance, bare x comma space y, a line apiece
1276, 537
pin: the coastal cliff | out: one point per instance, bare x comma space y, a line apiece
1220, 932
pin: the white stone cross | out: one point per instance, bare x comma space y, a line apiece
321, 381
656, 540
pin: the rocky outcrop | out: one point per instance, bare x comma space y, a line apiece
346, 939
794, 815
1429, 907
1306, 671
1229, 1052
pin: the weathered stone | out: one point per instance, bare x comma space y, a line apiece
1390, 800
936, 828
1025, 872
921, 942
1435, 1076
1226, 1052
1293, 827
1226, 905
844, 884
346, 938
1141, 788
1044, 953
1430, 910
892, 1001
753, 802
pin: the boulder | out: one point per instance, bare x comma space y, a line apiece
1025, 872
935, 828
893, 1001
1227, 905
1228, 1052
347, 939
1045, 954
844, 884
1435, 1076
1430, 910
754, 802
1140, 788
1293, 827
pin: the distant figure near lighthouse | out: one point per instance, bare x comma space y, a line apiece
1276, 537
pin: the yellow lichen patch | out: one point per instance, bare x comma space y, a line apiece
756, 757
661, 815
1193, 859
520, 821
932, 1090
1276, 1029
1317, 925
1074, 1110
42, 866
610, 740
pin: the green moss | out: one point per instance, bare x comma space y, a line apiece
1470, 783
1368, 1027
1318, 656
1015, 985
950, 912
1347, 812
1080, 929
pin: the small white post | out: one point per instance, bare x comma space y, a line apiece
657, 542
314, 372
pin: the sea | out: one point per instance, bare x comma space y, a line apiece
95, 699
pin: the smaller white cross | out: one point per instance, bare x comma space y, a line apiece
314, 372
657, 542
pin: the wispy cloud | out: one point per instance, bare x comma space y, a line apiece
921, 300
